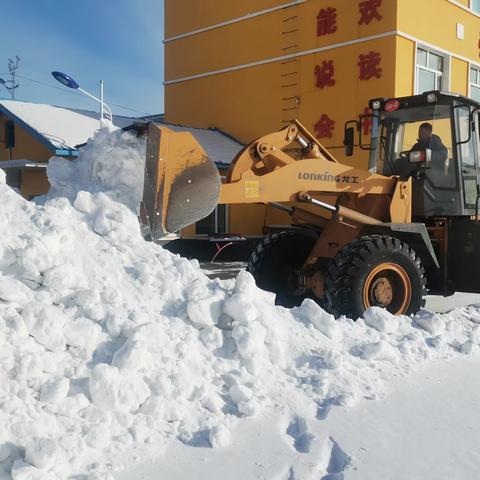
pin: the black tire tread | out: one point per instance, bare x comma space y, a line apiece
340, 276
259, 258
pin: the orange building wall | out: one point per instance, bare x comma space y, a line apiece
33, 182
26, 146
251, 101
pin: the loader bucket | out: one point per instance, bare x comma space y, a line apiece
182, 185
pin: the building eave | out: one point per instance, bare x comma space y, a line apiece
35, 134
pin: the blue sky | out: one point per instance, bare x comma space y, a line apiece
119, 41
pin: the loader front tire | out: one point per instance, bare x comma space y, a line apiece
274, 263
379, 271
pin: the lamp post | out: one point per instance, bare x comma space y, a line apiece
67, 81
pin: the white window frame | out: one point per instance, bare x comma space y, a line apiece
470, 5
472, 66
446, 67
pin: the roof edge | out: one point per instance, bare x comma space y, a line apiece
35, 133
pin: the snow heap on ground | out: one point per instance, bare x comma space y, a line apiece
110, 344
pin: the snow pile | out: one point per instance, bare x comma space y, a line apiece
110, 344
117, 171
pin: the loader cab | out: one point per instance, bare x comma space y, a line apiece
433, 138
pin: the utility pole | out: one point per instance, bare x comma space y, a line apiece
11, 85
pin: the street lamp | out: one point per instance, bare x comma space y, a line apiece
64, 79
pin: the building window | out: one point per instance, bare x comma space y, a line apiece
430, 71
475, 83
216, 222
475, 5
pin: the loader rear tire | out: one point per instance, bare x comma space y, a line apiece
274, 262
377, 271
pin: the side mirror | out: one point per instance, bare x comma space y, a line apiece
9, 134
349, 141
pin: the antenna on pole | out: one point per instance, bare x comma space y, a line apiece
11, 85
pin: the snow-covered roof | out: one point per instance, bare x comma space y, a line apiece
219, 147
57, 127
60, 128
63, 129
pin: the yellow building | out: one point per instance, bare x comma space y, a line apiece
251, 67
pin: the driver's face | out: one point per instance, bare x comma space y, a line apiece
424, 134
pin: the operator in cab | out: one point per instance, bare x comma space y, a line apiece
427, 139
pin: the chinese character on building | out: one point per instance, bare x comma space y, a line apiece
370, 66
325, 127
368, 11
324, 74
326, 21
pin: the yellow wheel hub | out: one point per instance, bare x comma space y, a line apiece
388, 285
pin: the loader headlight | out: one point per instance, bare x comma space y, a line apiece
420, 157
431, 98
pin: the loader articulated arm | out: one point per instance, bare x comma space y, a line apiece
286, 167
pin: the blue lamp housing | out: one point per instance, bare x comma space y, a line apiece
65, 79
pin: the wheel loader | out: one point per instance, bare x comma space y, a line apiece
358, 238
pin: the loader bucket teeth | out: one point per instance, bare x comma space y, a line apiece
182, 185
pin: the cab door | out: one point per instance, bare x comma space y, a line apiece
467, 141
464, 232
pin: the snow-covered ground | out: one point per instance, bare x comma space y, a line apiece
120, 360
427, 426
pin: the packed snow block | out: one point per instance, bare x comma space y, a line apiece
7, 254
98, 436
245, 283
110, 390
381, 319
12, 290
132, 355
205, 312
41, 452
45, 324
63, 279
5, 452
14, 322
429, 321
82, 333
212, 337
24, 471
250, 339
212, 402
240, 393
70, 406
378, 351
197, 290
144, 347
467, 348
220, 436
38, 255
311, 312
249, 408
55, 390
240, 308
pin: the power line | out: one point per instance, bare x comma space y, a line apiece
78, 94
